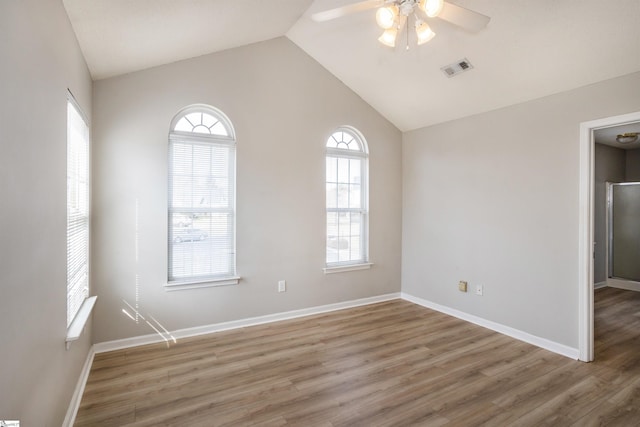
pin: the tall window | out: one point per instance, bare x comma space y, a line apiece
347, 204
77, 210
202, 164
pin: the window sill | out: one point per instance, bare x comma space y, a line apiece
183, 286
348, 267
79, 322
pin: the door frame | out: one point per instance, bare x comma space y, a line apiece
585, 227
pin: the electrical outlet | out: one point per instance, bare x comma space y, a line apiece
479, 290
462, 286
282, 286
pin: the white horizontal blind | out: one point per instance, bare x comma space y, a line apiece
77, 211
346, 199
201, 199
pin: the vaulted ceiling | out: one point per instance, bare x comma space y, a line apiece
530, 49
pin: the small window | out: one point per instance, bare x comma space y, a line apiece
201, 234
346, 198
77, 210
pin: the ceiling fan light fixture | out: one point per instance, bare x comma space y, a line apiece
424, 32
431, 7
388, 38
386, 16
627, 138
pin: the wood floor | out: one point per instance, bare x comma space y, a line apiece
388, 364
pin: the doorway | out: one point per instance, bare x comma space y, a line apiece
587, 242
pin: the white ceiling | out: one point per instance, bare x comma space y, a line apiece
121, 36
530, 49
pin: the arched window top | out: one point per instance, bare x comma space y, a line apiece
203, 120
348, 139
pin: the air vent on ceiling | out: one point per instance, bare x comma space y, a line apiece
457, 67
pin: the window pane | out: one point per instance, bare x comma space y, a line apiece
219, 129
343, 196
343, 170
194, 118
202, 246
354, 170
332, 195
332, 169
183, 125
208, 120
344, 237
355, 200
332, 237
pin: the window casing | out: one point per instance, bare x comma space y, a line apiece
346, 199
77, 210
201, 214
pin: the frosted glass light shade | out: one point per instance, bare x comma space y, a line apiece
386, 16
424, 32
432, 7
388, 38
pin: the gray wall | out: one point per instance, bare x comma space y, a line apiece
609, 166
493, 199
39, 60
632, 166
283, 106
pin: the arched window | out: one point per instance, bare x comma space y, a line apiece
202, 162
347, 198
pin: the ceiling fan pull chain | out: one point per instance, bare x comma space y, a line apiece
407, 47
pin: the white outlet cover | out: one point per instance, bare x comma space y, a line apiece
479, 289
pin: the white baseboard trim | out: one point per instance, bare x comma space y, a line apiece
553, 346
74, 405
600, 285
242, 323
628, 285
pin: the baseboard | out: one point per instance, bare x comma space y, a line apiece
242, 323
624, 284
600, 285
553, 346
74, 405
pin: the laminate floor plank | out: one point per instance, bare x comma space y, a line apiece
387, 364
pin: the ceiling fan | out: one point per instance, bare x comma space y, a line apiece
393, 15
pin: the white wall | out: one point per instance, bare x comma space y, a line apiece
39, 60
283, 106
609, 166
493, 199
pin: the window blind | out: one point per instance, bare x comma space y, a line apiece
77, 211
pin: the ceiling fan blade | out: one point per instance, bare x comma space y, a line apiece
464, 18
339, 12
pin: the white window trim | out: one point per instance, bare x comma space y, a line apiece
347, 267
363, 154
179, 286
80, 321
229, 140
